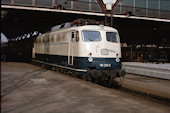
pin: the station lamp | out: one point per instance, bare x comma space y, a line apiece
109, 4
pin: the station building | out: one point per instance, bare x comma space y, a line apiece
142, 40
157, 49
148, 4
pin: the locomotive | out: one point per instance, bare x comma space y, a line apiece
91, 52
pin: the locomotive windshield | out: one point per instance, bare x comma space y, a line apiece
90, 36
111, 37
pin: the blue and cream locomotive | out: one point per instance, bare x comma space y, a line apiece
90, 51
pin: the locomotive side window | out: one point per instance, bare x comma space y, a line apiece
111, 37
43, 41
47, 40
72, 36
77, 36
40, 40
91, 36
52, 39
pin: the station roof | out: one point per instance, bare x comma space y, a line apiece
132, 31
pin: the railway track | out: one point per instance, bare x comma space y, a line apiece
116, 85
11, 84
62, 90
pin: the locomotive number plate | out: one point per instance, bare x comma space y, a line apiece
105, 65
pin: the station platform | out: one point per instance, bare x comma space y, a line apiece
153, 87
148, 69
27, 88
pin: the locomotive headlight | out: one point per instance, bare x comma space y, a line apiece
102, 26
117, 59
90, 59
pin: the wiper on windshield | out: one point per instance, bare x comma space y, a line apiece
90, 39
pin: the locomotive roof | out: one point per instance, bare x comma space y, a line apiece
97, 27
89, 27
85, 27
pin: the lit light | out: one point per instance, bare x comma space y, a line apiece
117, 59
90, 59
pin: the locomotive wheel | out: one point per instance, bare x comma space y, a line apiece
96, 80
88, 78
113, 81
110, 82
62, 70
104, 83
69, 73
118, 82
84, 77
57, 69
32, 62
38, 64
42, 65
74, 74
65, 71
35, 63
93, 74
46, 66
92, 80
121, 80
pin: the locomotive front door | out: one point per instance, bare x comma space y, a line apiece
70, 48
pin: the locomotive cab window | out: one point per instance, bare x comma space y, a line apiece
111, 37
91, 36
